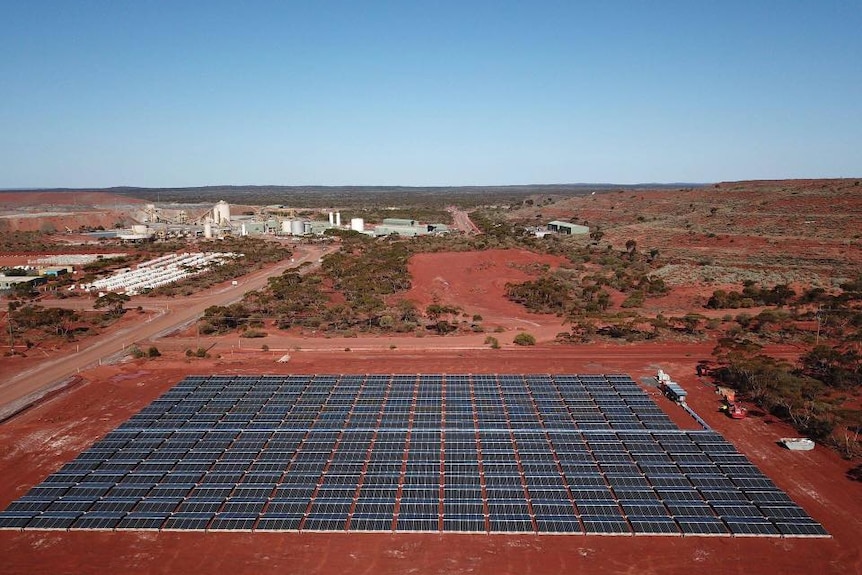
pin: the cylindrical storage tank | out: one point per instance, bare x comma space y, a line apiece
338, 219
357, 224
306, 227
331, 219
297, 227
285, 227
221, 213
208, 230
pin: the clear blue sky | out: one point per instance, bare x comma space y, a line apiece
193, 92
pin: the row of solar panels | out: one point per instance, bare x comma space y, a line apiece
332, 439
461, 523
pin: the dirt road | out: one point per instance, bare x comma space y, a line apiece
462, 222
22, 388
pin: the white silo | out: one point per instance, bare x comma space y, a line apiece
357, 224
221, 213
297, 227
208, 230
338, 219
331, 219
285, 226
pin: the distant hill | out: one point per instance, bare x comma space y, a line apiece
321, 196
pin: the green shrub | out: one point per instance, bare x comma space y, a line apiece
524, 338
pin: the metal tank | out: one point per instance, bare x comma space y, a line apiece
221, 213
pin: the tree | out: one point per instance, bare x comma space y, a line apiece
113, 303
24, 290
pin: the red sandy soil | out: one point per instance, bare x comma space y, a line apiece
475, 281
59, 429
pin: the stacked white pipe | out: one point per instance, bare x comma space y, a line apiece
160, 271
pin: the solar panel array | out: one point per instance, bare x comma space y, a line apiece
456, 453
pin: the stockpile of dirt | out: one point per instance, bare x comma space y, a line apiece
49, 199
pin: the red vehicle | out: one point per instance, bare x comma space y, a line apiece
735, 410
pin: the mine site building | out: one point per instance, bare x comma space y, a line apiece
567, 228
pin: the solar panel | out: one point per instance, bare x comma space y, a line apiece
536, 453
605, 525
700, 525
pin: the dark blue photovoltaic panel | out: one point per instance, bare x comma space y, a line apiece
462, 453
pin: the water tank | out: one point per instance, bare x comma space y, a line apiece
285, 226
297, 227
221, 213
357, 224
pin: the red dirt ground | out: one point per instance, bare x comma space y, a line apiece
59, 429
476, 281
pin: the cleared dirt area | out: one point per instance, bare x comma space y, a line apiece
476, 281
59, 429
